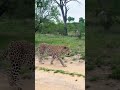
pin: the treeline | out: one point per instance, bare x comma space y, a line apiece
74, 29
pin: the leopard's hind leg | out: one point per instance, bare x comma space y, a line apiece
53, 58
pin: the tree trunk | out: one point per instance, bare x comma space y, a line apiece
64, 15
65, 29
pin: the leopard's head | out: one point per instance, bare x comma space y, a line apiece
66, 50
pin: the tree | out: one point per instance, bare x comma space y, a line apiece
64, 9
47, 12
81, 20
82, 27
71, 19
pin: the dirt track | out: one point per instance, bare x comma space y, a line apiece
52, 81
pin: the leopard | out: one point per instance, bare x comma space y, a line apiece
18, 54
56, 51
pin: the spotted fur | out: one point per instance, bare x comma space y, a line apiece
18, 54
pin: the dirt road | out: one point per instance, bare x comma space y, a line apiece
52, 81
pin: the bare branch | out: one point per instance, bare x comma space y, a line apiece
73, 0
57, 2
68, 8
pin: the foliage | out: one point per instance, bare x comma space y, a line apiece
82, 27
81, 20
71, 19
48, 12
74, 29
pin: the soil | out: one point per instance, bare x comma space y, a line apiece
58, 81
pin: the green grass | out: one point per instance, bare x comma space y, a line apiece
75, 44
61, 71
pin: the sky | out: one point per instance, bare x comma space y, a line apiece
76, 10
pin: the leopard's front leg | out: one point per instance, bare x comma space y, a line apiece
14, 77
62, 62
